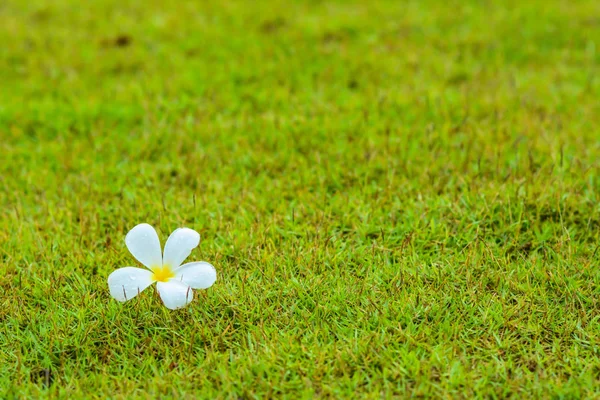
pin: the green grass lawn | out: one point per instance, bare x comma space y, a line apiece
400, 198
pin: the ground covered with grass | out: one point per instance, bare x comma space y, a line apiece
400, 198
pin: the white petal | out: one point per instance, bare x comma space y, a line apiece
198, 275
142, 241
179, 245
126, 283
175, 294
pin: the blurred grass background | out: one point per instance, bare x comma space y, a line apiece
400, 197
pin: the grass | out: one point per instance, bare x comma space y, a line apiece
401, 198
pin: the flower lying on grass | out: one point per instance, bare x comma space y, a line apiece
174, 281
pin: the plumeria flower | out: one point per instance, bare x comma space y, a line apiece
174, 281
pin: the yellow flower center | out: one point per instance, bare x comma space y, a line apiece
162, 274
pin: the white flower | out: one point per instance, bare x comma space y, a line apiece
174, 281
